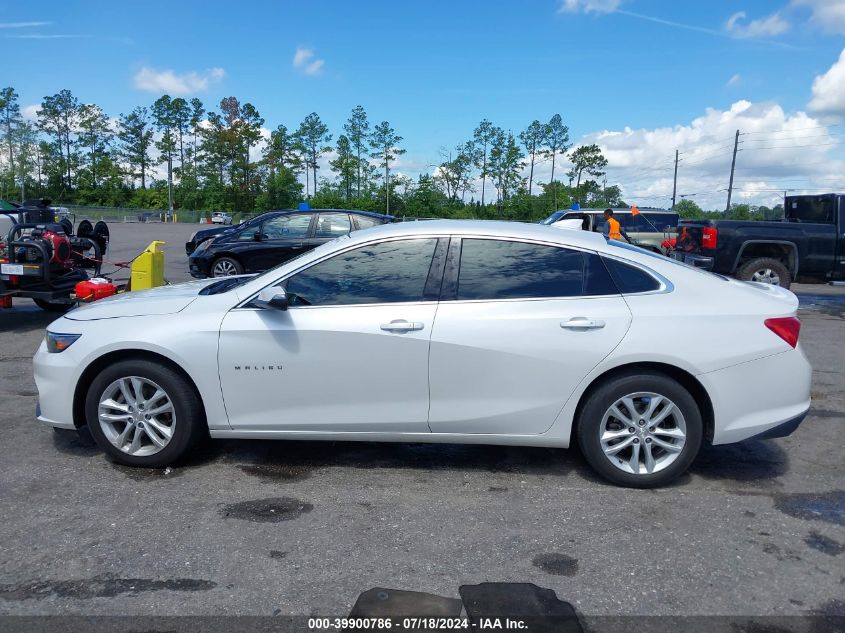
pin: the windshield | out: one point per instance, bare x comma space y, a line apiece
554, 217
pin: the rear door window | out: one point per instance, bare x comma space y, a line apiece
500, 269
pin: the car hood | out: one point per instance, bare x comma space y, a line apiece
163, 300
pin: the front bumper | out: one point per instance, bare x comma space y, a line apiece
199, 267
55, 377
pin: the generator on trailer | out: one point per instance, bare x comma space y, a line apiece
43, 259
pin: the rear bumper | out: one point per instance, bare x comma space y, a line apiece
783, 429
696, 261
768, 397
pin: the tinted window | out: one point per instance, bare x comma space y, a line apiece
629, 279
495, 269
332, 225
287, 226
365, 222
388, 272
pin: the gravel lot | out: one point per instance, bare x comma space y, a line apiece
268, 528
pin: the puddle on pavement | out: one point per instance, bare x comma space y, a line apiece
102, 586
828, 507
824, 544
556, 564
273, 510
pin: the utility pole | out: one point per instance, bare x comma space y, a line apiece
169, 215
675, 182
733, 165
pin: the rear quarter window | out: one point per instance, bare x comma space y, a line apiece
630, 279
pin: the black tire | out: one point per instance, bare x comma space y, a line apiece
230, 262
747, 271
54, 306
190, 425
589, 427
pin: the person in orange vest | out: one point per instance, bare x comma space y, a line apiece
612, 229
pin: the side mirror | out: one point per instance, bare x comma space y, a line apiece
257, 236
272, 298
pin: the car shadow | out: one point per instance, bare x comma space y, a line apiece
296, 459
751, 461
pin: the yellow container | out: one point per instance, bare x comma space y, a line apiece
148, 267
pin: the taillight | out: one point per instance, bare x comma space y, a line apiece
709, 237
787, 328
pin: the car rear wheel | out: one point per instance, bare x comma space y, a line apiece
765, 270
143, 414
640, 430
226, 267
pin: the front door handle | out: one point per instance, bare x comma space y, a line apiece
297, 245
400, 325
582, 323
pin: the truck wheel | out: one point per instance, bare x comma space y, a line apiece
54, 306
765, 270
226, 267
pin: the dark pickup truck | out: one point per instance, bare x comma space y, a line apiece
808, 242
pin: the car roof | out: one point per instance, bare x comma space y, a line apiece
483, 228
617, 210
371, 214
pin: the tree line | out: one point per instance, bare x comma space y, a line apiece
176, 153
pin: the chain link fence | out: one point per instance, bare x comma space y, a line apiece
129, 214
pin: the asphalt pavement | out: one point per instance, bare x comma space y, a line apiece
293, 528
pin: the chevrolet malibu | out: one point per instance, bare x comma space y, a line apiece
440, 331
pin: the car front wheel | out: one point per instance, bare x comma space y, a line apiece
226, 267
143, 414
640, 430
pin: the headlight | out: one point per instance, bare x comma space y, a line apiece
203, 245
59, 342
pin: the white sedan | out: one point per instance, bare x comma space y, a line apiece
441, 331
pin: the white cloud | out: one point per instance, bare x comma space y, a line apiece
642, 161
829, 91
30, 112
769, 26
735, 80
170, 82
829, 15
589, 6
22, 25
306, 63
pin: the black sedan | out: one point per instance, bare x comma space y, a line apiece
272, 238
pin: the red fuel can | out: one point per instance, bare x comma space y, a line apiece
94, 289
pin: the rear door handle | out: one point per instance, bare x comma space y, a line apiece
582, 323
400, 325
297, 245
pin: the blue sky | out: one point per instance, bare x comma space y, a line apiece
435, 69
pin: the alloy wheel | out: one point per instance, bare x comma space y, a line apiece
224, 268
642, 433
136, 416
766, 276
